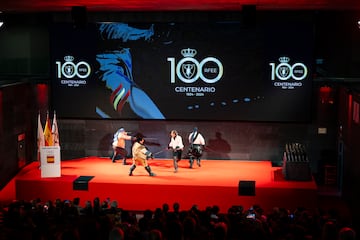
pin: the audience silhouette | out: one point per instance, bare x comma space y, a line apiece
96, 220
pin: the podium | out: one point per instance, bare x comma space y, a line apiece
50, 161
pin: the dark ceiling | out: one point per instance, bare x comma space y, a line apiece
172, 5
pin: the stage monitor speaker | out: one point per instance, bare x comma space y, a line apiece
82, 183
249, 15
79, 16
246, 188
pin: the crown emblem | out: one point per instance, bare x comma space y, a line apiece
69, 58
284, 59
188, 52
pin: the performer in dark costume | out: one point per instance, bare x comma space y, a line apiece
119, 144
197, 143
176, 144
141, 155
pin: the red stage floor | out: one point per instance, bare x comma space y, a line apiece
216, 182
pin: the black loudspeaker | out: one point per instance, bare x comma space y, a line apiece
82, 183
79, 16
246, 188
249, 15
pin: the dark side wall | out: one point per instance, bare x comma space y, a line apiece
17, 107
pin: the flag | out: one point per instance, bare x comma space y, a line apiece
55, 131
40, 136
47, 132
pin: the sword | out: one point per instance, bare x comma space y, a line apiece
209, 149
165, 149
151, 141
146, 138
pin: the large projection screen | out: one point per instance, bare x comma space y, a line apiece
182, 71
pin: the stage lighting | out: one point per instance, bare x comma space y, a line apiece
1, 19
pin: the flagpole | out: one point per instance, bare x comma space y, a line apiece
47, 131
40, 139
55, 131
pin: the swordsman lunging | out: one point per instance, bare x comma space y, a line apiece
141, 154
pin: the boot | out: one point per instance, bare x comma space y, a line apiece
148, 169
198, 162
191, 161
113, 158
132, 168
124, 161
175, 164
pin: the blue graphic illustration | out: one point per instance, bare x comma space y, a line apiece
116, 71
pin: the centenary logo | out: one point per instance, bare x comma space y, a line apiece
189, 69
287, 76
70, 69
284, 71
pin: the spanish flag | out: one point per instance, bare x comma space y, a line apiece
47, 132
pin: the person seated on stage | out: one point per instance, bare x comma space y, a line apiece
141, 155
197, 143
119, 144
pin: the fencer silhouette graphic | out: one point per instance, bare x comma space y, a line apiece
115, 69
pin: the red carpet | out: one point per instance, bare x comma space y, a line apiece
216, 182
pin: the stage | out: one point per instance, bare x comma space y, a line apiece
216, 182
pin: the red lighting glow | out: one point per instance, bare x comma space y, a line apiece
326, 95
42, 95
165, 5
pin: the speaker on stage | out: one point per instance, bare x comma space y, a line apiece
246, 188
82, 183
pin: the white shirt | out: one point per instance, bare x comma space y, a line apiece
120, 140
198, 140
176, 142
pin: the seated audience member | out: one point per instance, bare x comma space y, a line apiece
347, 233
116, 234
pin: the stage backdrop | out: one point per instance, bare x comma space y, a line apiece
224, 140
214, 70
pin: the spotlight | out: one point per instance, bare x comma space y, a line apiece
1, 19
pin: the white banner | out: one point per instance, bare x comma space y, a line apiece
50, 161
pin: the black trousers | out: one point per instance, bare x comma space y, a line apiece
118, 151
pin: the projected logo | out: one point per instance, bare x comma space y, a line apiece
190, 70
72, 73
286, 75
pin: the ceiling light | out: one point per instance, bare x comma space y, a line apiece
1, 19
